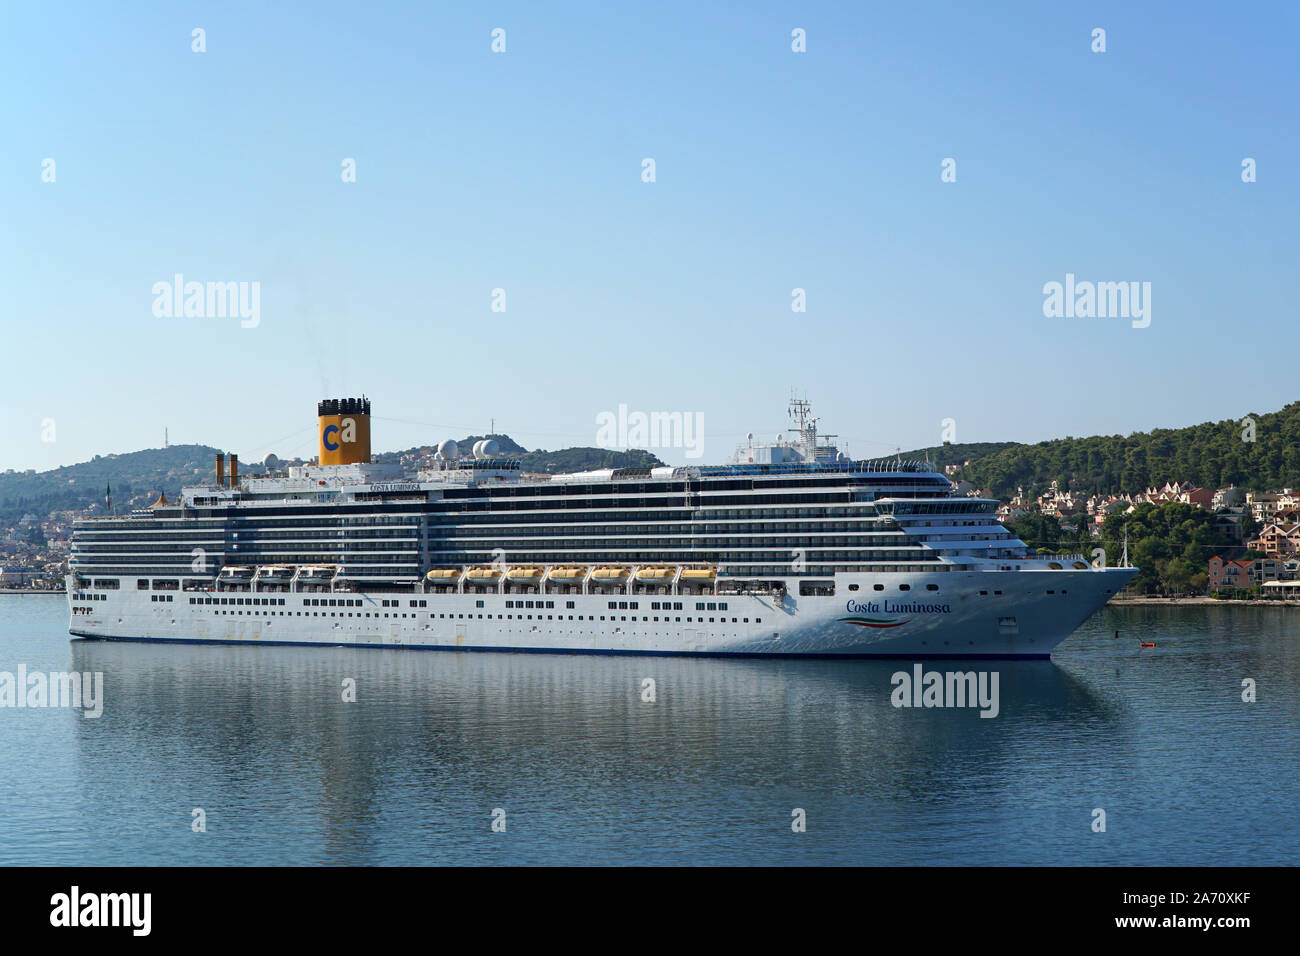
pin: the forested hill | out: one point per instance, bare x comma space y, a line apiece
136, 478
950, 454
586, 459
1210, 455
539, 461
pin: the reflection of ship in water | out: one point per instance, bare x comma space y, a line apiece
473, 731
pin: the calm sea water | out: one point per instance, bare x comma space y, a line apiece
586, 772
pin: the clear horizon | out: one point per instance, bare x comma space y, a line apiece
523, 170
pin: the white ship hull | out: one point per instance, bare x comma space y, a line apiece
981, 614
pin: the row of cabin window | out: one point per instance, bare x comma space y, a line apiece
901, 587
258, 601
511, 617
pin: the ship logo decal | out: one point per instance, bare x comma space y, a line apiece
875, 621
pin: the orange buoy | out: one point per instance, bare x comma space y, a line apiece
1148, 643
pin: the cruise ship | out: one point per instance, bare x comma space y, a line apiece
792, 549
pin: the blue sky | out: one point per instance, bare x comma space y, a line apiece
522, 170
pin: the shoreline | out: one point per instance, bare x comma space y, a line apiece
1201, 601
31, 591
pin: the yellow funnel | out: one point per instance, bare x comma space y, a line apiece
343, 431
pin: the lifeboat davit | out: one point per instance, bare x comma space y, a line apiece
274, 574
609, 574
443, 575
524, 575
316, 574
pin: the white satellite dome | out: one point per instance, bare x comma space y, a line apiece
490, 448
448, 449
478, 449
271, 462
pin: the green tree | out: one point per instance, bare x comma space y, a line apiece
1037, 530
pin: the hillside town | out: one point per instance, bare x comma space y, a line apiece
1260, 530
34, 552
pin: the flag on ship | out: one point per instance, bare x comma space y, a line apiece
108, 497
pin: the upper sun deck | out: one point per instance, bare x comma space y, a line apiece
877, 466
308, 485
781, 468
882, 467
